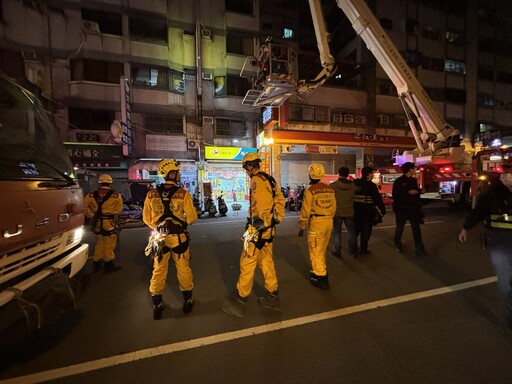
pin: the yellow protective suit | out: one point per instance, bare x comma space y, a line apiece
266, 206
183, 208
104, 227
318, 209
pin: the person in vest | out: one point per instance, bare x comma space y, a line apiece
168, 210
494, 207
102, 207
407, 207
366, 198
266, 209
318, 209
344, 190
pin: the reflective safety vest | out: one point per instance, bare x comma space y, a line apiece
502, 221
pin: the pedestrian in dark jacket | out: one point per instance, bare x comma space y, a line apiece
407, 207
366, 198
494, 207
344, 190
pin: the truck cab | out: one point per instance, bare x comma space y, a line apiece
41, 204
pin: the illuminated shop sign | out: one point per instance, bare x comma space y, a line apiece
226, 153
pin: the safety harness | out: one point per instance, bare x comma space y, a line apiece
169, 223
99, 216
256, 221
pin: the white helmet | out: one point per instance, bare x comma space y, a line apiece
316, 171
105, 179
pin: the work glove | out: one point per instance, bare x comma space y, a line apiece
301, 232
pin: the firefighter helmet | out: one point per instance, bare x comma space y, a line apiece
250, 157
105, 179
167, 165
316, 171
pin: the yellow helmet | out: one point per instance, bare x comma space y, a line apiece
167, 165
250, 156
105, 179
316, 171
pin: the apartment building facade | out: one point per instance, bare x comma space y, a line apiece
172, 69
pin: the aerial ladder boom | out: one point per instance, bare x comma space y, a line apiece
435, 133
277, 69
326, 59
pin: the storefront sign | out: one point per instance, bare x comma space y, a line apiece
226, 153
126, 118
95, 155
324, 149
370, 137
260, 139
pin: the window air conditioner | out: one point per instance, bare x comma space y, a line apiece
207, 76
90, 26
384, 119
192, 144
207, 120
348, 118
361, 120
337, 118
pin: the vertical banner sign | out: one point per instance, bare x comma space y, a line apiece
126, 120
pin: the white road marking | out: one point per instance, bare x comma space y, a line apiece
107, 362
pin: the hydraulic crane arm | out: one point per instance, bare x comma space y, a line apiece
435, 132
326, 59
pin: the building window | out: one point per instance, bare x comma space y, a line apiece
231, 86
504, 77
91, 119
108, 22
386, 23
433, 64
386, 87
163, 124
436, 94
412, 58
412, 26
429, 32
159, 78
309, 113
485, 73
454, 67
95, 70
485, 100
239, 6
240, 44
148, 28
453, 37
288, 33
231, 128
455, 95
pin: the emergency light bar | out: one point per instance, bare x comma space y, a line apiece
447, 168
497, 169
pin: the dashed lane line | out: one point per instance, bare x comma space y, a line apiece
130, 357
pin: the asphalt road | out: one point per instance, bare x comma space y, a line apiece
388, 318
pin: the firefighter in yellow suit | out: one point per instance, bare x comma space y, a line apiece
103, 206
265, 211
168, 210
317, 213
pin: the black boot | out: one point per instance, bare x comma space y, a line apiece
188, 301
97, 266
158, 307
111, 267
321, 282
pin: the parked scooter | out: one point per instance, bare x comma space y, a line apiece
197, 204
209, 206
223, 208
